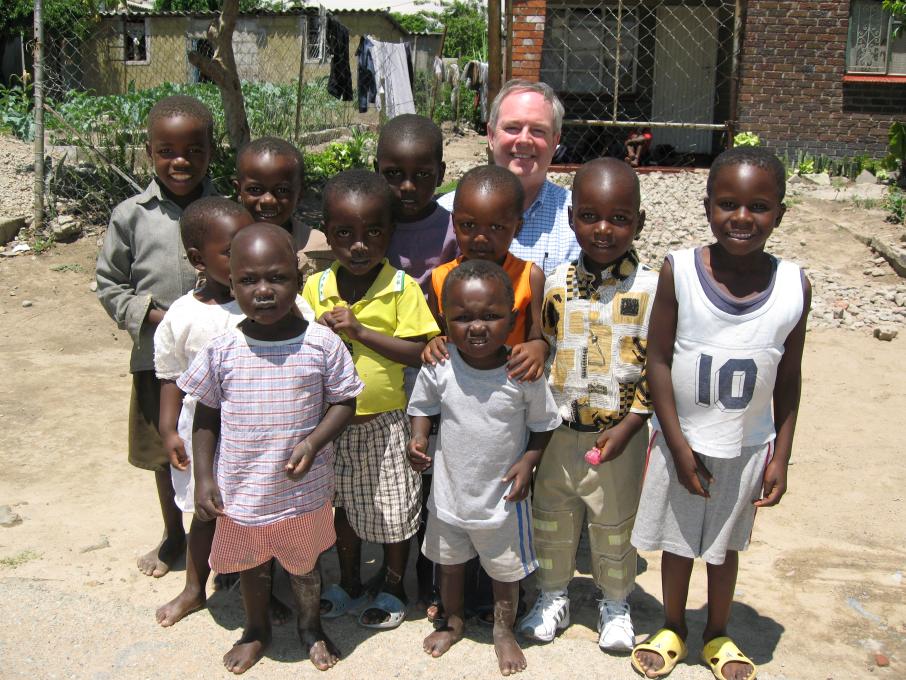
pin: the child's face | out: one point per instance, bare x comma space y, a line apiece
358, 229
180, 150
485, 223
269, 186
478, 320
263, 278
213, 258
605, 216
743, 208
413, 171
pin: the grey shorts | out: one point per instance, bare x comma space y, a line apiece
506, 552
376, 486
673, 520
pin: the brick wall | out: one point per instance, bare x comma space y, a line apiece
792, 91
528, 37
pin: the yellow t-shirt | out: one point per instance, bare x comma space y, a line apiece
394, 306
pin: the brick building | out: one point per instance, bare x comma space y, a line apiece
823, 77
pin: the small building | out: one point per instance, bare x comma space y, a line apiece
823, 78
148, 48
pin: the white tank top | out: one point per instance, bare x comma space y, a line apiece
726, 354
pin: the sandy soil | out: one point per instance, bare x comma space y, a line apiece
820, 591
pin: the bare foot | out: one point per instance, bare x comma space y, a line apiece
737, 670
510, 658
322, 652
157, 561
187, 602
247, 651
439, 642
280, 613
652, 662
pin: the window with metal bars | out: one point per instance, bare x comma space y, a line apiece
873, 46
583, 45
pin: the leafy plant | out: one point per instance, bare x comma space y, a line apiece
19, 559
337, 157
895, 205
746, 139
806, 165
896, 156
16, 116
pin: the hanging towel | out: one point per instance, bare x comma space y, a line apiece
339, 84
385, 77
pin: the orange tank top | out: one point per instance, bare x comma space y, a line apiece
518, 271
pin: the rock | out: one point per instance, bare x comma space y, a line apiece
799, 179
900, 299
100, 544
819, 178
8, 518
878, 271
93, 286
881, 659
866, 177
802, 242
886, 334
65, 227
9, 228
27, 303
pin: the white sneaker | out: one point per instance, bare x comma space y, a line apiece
549, 614
615, 626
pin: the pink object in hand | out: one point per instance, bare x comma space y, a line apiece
593, 456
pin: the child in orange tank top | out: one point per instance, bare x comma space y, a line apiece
487, 213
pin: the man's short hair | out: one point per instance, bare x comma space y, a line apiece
275, 147
493, 179
409, 127
181, 105
750, 155
478, 269
356, 183
516, 85
195, 223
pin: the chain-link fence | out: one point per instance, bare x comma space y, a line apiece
648, 80
104, 71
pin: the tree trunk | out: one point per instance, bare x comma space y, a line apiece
221, 68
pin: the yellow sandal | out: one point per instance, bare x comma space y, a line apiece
666, 644
722, 650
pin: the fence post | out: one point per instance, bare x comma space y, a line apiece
738, 22
38, 207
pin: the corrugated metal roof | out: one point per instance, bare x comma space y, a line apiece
207, 14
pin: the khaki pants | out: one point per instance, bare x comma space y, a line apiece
567, 491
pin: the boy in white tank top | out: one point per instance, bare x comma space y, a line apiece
725, 344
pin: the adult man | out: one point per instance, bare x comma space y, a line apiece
523, 133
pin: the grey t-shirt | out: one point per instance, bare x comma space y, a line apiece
485, 420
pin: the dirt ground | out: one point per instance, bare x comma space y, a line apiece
820, 591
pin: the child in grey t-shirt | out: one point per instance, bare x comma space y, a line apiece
492, 429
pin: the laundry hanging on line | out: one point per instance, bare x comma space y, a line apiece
385, 76
339, 84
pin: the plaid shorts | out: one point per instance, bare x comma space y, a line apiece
295, 543
376, 486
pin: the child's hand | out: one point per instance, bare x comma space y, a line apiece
611, 443
774, 484
300, 460
526, 362
435, 351
342, 320
690, 470
208, 501
155, 315
417, 453
520, 474
176, 450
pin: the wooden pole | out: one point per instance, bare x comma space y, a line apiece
495, 65
434, 86
301, 82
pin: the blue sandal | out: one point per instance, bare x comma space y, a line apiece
390, 605
341, 602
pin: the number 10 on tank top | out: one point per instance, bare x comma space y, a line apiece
730, 387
